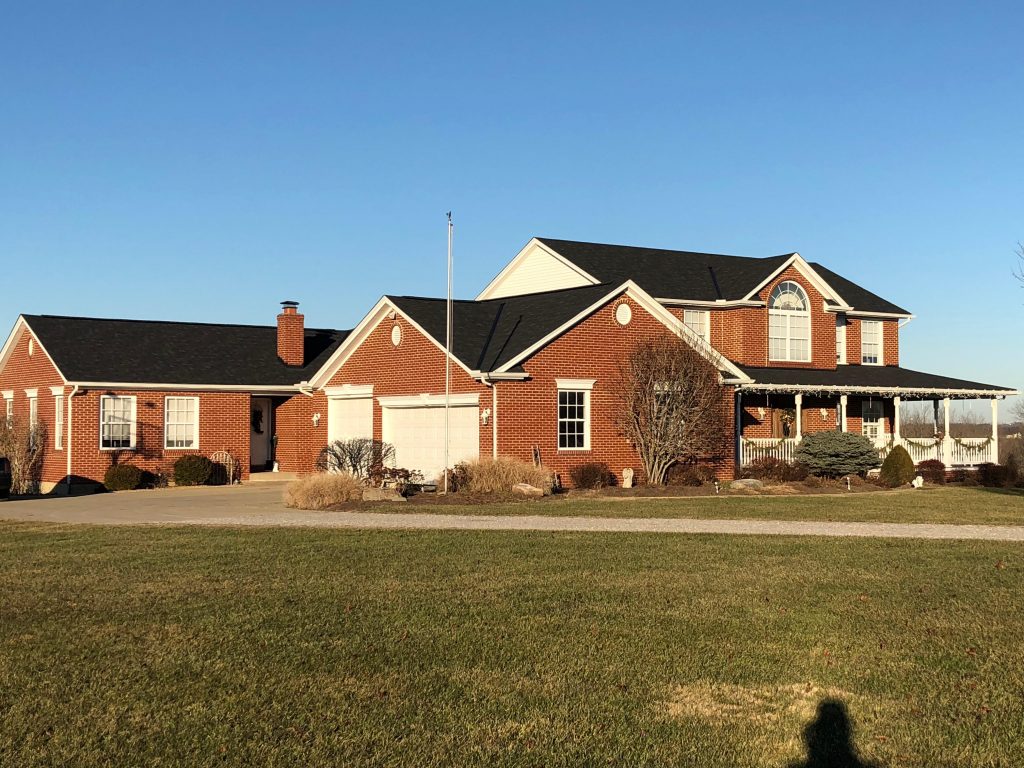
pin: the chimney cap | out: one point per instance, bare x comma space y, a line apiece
289, 303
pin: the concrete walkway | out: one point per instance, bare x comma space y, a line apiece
259, 504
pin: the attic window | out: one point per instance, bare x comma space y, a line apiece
31, 347
623, 314
789, 323
396, 334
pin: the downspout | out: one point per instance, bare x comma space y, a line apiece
70, 432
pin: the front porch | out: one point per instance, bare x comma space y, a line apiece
771, 424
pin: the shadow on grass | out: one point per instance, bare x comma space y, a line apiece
828, 739
1018, 492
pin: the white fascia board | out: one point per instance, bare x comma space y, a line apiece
484, 376
655, 309
797, 261
512, 265
879, 315
427, 400
283, 389
833, 388
349, 391
20, 326
717, 303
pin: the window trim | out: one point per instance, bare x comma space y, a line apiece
705, 322
195, 424
880, 342
58, 422
841, 325
132, 434
880, 422
581, 386
788, 315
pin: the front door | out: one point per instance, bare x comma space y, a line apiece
871, 420
261, 431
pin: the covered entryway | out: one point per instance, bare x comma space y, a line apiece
415, 427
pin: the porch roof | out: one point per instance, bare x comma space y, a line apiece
888, 380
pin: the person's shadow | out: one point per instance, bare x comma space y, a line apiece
828, 738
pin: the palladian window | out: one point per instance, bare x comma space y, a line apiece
789, 324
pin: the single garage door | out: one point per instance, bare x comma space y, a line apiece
349, 418
418, 436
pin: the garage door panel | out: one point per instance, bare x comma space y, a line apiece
418, 436
349, 418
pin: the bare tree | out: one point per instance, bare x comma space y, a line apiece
23, 444
1019, 272
361, 457
671, 405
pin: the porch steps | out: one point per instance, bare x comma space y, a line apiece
272, 477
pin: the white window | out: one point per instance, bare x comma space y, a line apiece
58, 422
33, 418
841, 339
789, 324
871, 342
181, 422
574, 414
697, 320
10, 411
117, 422
871, 419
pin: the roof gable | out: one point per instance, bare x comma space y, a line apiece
536, 269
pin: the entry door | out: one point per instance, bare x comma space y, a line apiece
871, 420
260, 431
418, 436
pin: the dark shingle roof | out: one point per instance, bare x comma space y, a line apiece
881, 376
687, 275
144, 351
487, 334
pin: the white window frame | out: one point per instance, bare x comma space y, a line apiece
580, 387
104, 399
878, 343
841, 339
787, 316
58, 422
9, 407
33, 416
877, 408
701, 318
194, 424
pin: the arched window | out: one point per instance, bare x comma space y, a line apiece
789, 323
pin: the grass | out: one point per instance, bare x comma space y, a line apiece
183, 646
955, 505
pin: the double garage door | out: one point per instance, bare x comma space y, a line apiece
416, 430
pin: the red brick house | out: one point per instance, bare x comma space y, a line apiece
799, 348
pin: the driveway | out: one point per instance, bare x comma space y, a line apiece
259, 504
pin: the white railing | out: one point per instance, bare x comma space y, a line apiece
963, 452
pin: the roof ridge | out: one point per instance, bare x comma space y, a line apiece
171, 322
664, 250
504, 298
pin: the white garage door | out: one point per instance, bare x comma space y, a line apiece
418, 436
348, 418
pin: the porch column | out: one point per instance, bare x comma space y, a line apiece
896, 419
947, 441
995, 430
842, 412
800, 416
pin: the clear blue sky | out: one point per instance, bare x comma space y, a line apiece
204, 161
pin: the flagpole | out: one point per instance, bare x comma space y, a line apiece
448, 355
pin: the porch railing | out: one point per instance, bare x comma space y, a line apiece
963, 452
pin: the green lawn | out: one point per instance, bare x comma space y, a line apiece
988, 506
178, 646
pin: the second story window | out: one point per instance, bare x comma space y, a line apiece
697, 321
871, 342
789, 324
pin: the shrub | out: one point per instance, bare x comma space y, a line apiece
593, 474
122, 477
498, 476
834, 454
692, 475
322, 490
897, 469
933, 471
360, 456
770, 468
1014, 461
192, 470
965, 476
993, 475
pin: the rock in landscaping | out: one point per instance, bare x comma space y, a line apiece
750, 485
382, 494
525, 489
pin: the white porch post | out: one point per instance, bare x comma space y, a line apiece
842, 411
995, 430
947, 440
800, 416
896, 419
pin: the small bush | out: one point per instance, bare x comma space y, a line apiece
933, 471
691, 475
834, 454
993, 475
593, 474
1014, 460
322, 490
498, 476
897, 469
965, 476
122, 477
770, 468
192, 470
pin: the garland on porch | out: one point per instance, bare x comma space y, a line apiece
974, 449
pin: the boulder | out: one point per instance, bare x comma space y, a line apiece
382, 494
525, 489
748, 484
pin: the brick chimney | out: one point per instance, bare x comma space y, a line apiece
291, 334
